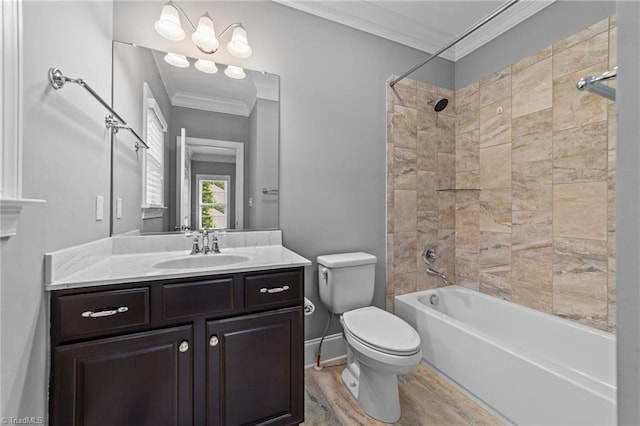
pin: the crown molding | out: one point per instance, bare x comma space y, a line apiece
502, 23
499, 25
209, 103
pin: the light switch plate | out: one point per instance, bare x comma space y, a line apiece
99, 207
118, 208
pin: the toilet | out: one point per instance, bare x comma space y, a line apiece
380, 345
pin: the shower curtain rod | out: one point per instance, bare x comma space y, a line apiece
458, 39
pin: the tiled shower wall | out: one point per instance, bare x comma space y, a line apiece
514, 185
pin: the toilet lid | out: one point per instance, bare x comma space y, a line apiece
381, 330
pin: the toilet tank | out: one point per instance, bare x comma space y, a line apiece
346, 280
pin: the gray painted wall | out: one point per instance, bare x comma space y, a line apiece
65, 161
628, 214
263, 166
132, 67
206, 125
332, 121
553, 23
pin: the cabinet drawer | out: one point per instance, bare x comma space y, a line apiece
204, 297
102, 311
273, 289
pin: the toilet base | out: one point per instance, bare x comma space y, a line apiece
375, 392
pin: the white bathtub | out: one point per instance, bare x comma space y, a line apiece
530, 367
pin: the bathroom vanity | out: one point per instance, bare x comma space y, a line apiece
201, 346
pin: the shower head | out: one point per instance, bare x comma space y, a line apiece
439, 105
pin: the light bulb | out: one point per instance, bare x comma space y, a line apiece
176, 60
233, 71
239, 45
208, 67
205, 36
168, 26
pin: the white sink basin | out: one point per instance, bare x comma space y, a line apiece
201, 261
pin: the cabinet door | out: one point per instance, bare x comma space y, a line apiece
255, 369
138, 379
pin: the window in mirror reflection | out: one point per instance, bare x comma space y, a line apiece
212, 201
153, 132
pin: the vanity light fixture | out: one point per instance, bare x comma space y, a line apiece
176, 60
204, 36
233, 71
205, 66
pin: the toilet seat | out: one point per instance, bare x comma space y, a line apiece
381, 331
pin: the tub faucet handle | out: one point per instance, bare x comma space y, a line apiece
429, 255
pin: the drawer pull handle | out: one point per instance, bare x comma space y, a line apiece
184, 346
274, 289
213, 341
105, 313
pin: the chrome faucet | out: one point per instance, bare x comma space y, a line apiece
205, 241
442, 275
214, 243
196, 248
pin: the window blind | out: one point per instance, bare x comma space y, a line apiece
155, 160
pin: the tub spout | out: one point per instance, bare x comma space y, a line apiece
442, 275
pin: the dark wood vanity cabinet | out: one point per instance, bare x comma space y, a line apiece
218, 350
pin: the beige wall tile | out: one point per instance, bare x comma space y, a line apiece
532, 231
527, 61
580, 153
468, 151
580, 267
532, 297
495, 252
532, 137
404, 93
495, 126
404, 127
446, 131
497, 284
405, 283
426, 115
427, 196
613, 43
583, 309
389, 264
427, 229
404, 168
576, 38
495, 210
468, 180
613, 20
495, 87
404, 249
467, 110
446, 171
532, 88
427, 155
404, 212
581, 55
466, 267
468, 90
446, 210
446, 247
495, 167
467, 219
389, 164
580, 210
532, 186
529, 270
571, 107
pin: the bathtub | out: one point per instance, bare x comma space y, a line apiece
529, 367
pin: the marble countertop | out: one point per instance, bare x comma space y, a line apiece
116, 261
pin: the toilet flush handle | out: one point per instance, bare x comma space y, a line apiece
325, 275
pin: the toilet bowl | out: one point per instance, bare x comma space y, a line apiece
380, 346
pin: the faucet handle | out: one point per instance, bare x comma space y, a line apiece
429, 255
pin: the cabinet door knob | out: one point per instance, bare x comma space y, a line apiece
184, 346
213, 341
274, 289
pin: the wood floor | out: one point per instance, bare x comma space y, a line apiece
425, 399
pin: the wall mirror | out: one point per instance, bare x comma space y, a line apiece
214, 144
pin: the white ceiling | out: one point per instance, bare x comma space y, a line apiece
188, 87
425, 25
